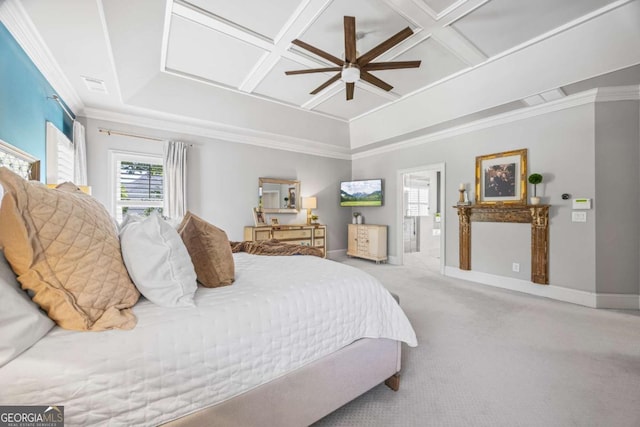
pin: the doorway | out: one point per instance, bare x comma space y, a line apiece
421, 217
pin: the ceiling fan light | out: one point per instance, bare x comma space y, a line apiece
350, 74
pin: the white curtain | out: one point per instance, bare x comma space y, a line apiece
80, 154
175, 179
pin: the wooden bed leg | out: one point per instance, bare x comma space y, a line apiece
393, 382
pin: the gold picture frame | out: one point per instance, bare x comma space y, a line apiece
258, 218
501, 178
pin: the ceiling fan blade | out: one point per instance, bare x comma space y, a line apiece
350, 88
372, 66
313, 70
375, 81
350, 39
319, 52
384, 46
327, 83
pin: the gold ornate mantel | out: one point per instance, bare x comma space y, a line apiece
536, 215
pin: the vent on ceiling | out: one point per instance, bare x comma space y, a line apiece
94, 85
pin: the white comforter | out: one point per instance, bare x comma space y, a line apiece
280, 314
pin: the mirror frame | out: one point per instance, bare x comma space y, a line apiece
290, 182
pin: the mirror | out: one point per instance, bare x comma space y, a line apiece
279, 195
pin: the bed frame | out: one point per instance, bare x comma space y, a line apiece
298, 398
305, 395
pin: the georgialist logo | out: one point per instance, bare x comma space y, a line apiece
31, 416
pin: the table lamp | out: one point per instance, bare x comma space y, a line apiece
309, 203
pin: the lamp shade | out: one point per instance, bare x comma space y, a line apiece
309, 203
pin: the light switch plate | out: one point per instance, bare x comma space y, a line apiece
578, 216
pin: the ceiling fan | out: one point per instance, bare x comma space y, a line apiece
354, 67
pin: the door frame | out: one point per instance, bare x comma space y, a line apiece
438, 167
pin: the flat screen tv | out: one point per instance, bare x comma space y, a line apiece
366, 192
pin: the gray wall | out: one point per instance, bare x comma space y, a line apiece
560, 147
618, 197
223, 177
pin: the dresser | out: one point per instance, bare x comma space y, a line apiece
306, 235
367, 241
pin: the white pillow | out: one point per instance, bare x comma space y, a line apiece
158, 261
22, 324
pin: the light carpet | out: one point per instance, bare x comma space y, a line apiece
492, 357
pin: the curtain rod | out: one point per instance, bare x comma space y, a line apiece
59, 101
116, 132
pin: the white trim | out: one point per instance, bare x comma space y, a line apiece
438, 16
19, 24
203, 80
179, 124
574, 296
620, 93
618, 301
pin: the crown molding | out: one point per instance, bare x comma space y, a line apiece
618, 93
19, 24
202, 128
607, 94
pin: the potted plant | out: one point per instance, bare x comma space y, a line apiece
535, 179
314, 219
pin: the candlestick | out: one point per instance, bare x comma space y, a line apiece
461, 186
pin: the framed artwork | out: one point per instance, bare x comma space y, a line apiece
502, 178
258, 218
274, 221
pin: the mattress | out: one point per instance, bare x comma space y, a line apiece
281, 314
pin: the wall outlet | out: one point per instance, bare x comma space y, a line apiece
515, 267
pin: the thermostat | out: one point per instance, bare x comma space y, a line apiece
581, 203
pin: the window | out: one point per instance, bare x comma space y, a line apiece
416, 195
60, 156
418, 201
138, 184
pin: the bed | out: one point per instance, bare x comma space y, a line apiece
293, 339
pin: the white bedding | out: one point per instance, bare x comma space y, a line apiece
280, 314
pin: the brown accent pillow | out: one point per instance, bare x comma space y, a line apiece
210, 252
64, 247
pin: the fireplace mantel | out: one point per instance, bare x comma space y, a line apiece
536, 215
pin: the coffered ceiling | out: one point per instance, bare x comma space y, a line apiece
224, 61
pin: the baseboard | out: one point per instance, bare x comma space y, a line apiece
394, 260
337, 254
575, 296
618, 301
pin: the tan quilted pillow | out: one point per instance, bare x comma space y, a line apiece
64, 247
210, 251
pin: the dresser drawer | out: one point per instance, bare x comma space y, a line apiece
318, 232
318, 242
263, 234
297, 242
292, 234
